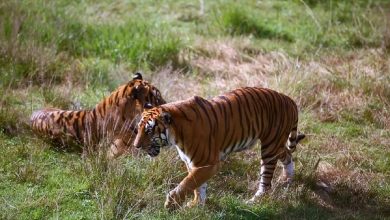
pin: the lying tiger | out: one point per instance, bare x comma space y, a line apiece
114, 119
204, 132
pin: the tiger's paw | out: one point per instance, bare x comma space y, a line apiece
195, 202
284, 180
173, 201
252, 201
192, 203
258, 196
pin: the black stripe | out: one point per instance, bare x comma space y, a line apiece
215, 116
239, 111
227, 123
61, 117
65, 128
94, 113
267, 172
215, 128
229, 104
104, 106
76, 129
122, 92
241, 119
219, 105
230, 128
269, 113
115, 98
70, 115
183, 113
256, 111
273, 140
99, 111
200, 101
248, 118
230, 140
233, 146
241, 144
260, 119
82, 118
195, 111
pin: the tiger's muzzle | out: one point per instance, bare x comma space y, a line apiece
157, 143
154, 150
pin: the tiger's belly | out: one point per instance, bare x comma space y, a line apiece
237, 147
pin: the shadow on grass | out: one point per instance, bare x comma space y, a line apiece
269, 208
342, 199
305, 199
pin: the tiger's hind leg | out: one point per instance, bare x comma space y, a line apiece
288, 168
286, 158
266, 173
269, 158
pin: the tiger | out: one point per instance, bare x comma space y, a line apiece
114, 119
205, 132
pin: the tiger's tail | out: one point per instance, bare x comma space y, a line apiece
294, 139
43, 122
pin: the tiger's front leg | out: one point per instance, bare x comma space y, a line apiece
199, 196
199, 193
122, 146
195, 179
117, 148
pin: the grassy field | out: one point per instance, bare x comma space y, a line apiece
331, 56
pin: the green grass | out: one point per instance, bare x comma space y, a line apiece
330, 56
237, 21
135, 41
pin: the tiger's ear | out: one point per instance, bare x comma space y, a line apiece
148, 106
137, 75
166, 118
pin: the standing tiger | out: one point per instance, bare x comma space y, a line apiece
206, 131
114, 119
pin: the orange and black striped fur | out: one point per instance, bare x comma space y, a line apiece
114, 119
206, 131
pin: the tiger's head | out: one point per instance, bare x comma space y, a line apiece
128, 101
153, 131
143, 91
